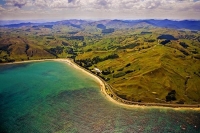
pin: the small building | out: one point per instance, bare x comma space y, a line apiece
97, 70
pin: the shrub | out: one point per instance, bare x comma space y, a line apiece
65, 43
151, 40
121, 69
89, 50
120, 74
127, 65
129, 71
183, 44
106, 72
171, 96
167, 37
165, 42
56, 50
101, 26
106, 31
181, 101
129, 46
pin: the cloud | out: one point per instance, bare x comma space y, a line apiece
16, 3
107, 8
152, 4
129, 4
181, 5
73, 1
56, 3
103, 4
41, 3
65, 4
1, 8
196, 6
106, 4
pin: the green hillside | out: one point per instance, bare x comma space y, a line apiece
142, 63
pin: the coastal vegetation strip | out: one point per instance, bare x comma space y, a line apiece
143, 63
109, 92
108, 89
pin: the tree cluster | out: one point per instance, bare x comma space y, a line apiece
167, 37
55, 51
183, 44
89, 62
165, 42
171, 96
129, 46
101, 26
80, 38
106, 31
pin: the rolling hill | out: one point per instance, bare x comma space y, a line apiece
143, 60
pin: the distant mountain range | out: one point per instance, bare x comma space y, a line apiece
119, 24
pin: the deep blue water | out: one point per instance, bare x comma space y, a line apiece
45, 97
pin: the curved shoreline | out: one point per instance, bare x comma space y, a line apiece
110, 95
107, 90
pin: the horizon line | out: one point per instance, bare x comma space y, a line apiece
56, 20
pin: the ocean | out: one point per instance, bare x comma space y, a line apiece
54, 97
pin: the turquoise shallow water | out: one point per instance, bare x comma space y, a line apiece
45, 97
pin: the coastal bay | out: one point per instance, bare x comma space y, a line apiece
52, 96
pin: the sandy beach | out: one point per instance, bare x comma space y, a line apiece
116, 99
26, 61
119, 101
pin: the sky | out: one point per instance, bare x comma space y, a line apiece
99, 9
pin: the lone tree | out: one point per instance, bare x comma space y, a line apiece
171, 96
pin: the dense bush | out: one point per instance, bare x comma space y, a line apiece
165, 42
197, 56
5, 47
89, 62
129, 71
112, 56
65, 43
183, 44
127, 65
145, 32
101, 26
73, 32
121, 69
55, 51
181, 101
80, 38
120, 74
88, 50
106, 31
48, 26
76, 26
167, 37
69, 51
129, 46
107, 71
151, 40
50, 37
184, 51
97, 59
171, 96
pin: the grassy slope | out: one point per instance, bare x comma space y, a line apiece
157, 69
154, 69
